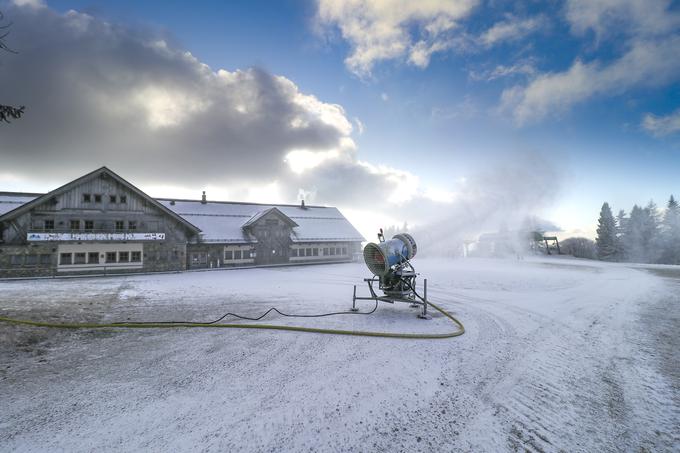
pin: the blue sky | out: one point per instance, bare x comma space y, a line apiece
589, 89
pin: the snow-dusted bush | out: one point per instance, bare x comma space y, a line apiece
579, 247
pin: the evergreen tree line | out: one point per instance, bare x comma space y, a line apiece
646, 235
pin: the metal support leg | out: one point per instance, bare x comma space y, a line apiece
424, 314
354, 300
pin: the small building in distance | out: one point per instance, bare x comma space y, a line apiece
100, 223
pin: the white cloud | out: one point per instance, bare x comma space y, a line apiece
646, 63
30, 3
630, 17
360, 125
645, 30
511, 29
384, 97
521, 68
379, 30
662, 125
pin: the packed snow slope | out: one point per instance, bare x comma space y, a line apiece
558, 355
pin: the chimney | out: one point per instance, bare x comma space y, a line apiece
203, 200
302, 204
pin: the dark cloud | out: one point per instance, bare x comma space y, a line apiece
97, 93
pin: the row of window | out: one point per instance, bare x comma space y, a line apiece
30, 260
119, 225
93, 257
314, 251
97, 197
238, 254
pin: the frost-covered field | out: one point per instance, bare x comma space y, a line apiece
559, 355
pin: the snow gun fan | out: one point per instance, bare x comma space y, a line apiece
389, 261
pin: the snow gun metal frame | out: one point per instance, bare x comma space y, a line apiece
393, 272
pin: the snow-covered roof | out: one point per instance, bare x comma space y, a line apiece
223, 222
264, 212
10, 201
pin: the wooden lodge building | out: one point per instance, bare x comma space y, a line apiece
100, 223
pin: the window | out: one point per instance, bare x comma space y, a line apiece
344, 250
199, 258
309, 251
65, 258
246, 254
16, 260
237, 254
112, 198
136, 257
87, 198
120, 225
110, 257
46, 259
97, 198
332, 250
315, 251
79, 258
123, 199
301, 252
228, 255
49, 224
337, 250
75, 224
132, 225
325, 251
294, 252
89, 224
123, 257
31, 260
93, 258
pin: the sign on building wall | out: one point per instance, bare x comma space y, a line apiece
96, 236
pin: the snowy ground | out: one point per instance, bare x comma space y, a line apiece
559, 355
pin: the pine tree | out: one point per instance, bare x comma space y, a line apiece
670, 233
621, 225
633, 235
651, 239
606, 234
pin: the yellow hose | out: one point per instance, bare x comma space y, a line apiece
128, 325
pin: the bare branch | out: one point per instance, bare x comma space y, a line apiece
3, 46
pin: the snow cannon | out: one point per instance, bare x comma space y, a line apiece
383, 256
389, 261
